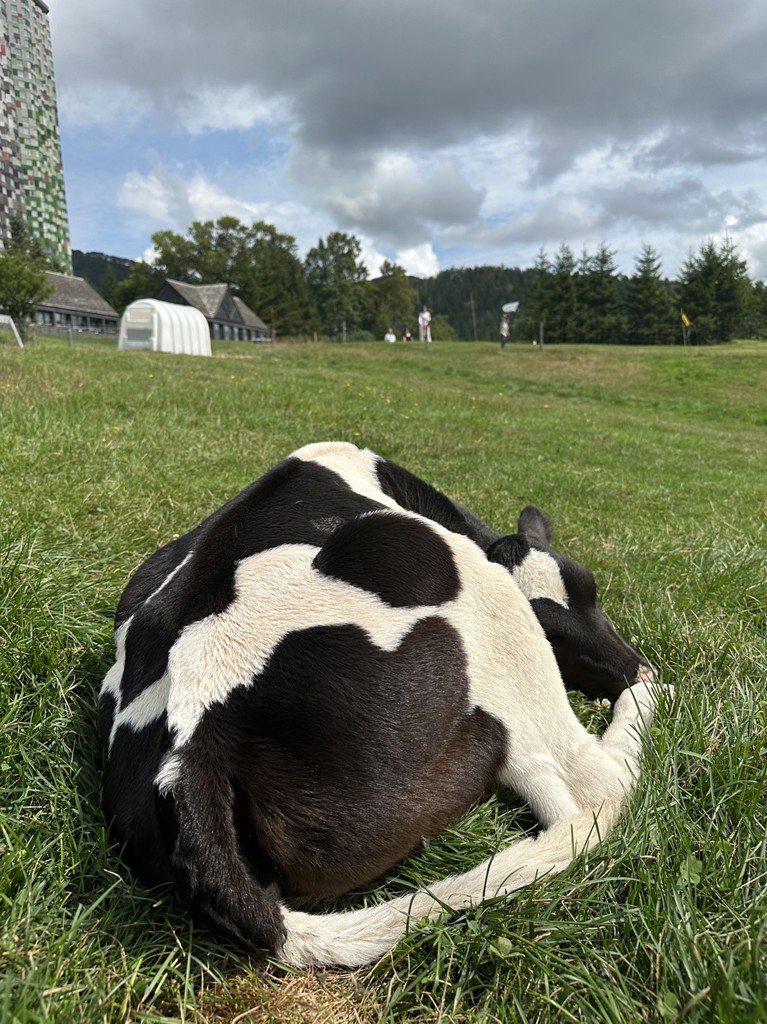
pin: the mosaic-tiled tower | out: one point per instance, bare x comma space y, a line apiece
31, 175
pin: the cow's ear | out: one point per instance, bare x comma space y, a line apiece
509, 551
534, 525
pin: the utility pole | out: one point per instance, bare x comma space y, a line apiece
473, 314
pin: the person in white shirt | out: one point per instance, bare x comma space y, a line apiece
390, 336
424, 324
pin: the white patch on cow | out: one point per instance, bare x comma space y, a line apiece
169, 771
113, 678
144, 709
355, 466
538, 576
278, 592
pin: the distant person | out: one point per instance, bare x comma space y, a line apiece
504, 330
424, 324
407, 336
390, 336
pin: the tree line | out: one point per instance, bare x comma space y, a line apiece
564, 298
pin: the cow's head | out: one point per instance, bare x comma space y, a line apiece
592, 657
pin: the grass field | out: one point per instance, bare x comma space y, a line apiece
652, 465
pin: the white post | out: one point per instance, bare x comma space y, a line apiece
8, 321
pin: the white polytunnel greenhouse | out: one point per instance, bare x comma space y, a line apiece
164, 327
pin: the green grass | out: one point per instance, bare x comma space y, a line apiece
653, 466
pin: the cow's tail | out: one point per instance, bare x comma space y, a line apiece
213, 876
356, 937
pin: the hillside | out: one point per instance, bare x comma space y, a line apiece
96, 266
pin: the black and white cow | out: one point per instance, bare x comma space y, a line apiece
331, 668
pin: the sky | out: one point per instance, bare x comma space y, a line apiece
442, 133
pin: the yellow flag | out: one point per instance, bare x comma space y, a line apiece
685, 320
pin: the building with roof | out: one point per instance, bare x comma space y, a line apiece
75, 304
228, 317
31, 173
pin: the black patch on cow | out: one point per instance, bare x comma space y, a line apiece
401, 560
107, 708
346, 756
129, 798
415, 495
147, 646
151, 575
509, 551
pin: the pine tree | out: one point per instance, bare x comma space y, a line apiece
535, 306
651, 314
714, 290
562, 308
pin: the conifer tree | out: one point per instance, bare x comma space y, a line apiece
651, 315
714, 291
560, 321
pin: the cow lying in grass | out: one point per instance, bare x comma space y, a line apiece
331, 668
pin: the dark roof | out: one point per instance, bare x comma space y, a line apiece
209, 298
205, 297
249, 318
75, 295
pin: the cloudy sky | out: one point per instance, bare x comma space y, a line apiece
440, 132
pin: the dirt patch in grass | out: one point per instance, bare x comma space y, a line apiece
309, 998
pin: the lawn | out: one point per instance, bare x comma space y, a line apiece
652, 464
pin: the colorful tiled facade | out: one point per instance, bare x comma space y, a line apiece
31, 174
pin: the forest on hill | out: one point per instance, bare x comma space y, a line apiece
100, 270
562, 298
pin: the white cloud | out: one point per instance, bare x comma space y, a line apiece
420, 261
370, 255
223, 108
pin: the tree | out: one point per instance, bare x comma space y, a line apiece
600, 317
536, 297
755, 324
110, 287
277, 288
715, 292
397, 300
733, 293
562, 306
23, 279
259, 263
442, 329
143, 282
651, 314
334, 272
